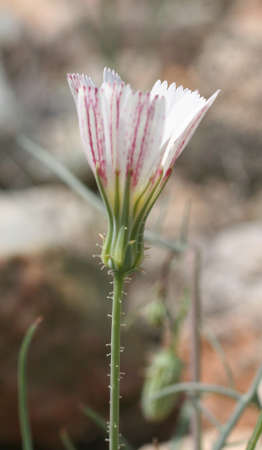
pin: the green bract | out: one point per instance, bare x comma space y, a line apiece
123, 248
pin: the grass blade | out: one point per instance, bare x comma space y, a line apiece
60, 170
256, 434
95, 417
101, 423
66, 440
27, 443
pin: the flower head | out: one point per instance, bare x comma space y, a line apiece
132, 140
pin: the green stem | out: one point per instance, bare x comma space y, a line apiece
199, 388
115, 362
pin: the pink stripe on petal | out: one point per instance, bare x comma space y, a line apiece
87, 107
98, 139
118, 100
111, 123
76, 81
131, 152
114, 121
142, 152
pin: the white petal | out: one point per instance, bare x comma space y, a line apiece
151, 157
113, 98
179, 103
131, 121
140, 135
171, 93
183, 134
92, 128
182, 103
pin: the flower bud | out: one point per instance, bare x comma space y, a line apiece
165, 370
155, 313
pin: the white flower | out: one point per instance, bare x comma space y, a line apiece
132, 140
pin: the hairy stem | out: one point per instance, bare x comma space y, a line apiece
115, 362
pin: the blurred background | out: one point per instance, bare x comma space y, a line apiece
48, 234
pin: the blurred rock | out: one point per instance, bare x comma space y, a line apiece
47, 19
231, 278
41, 218
229, 141
10, 118
47, 270
10, 27
231, 283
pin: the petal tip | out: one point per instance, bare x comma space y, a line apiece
111, 76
